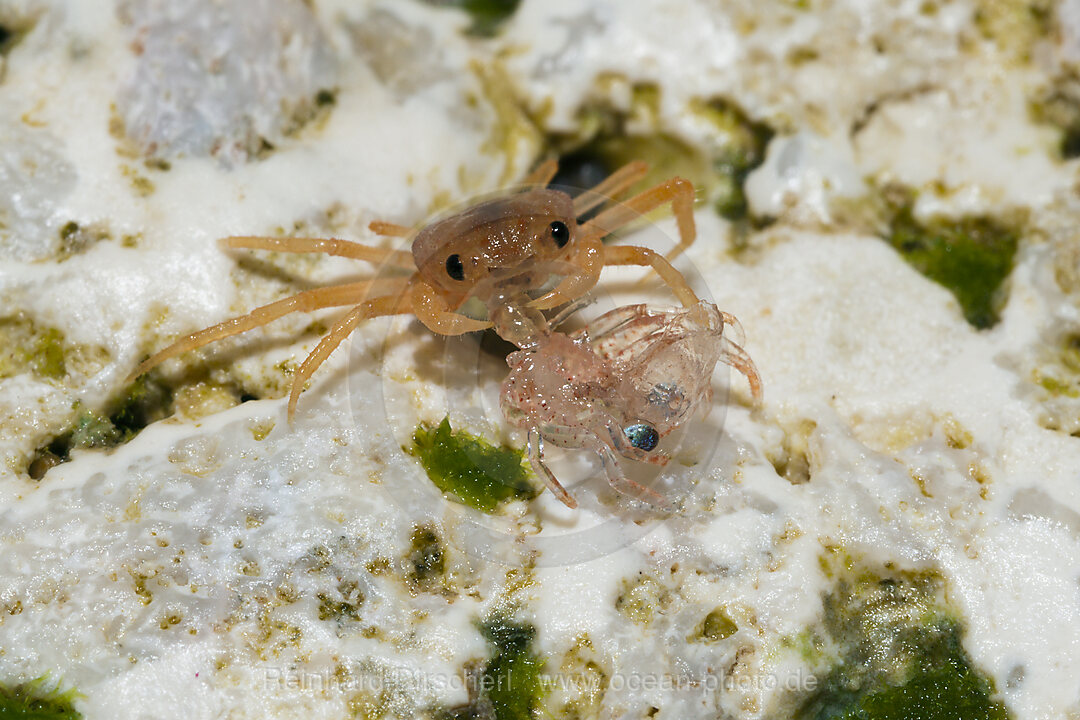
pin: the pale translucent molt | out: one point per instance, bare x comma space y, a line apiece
617, 386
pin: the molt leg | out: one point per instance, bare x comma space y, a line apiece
306, 301
625, 485
330, 246
542, 174
386, 305
611, 187
536, 459
614, 320
585, 439
565, 314
632, 255
677, 191
738, 358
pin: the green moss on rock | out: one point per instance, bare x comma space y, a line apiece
25, 345
344, 606
487, 15
470, 469
37, 700
1059, 374
427, 559
512, 679
1015, 26
898, 654
144, 401
741, 152
970, 256
719, 174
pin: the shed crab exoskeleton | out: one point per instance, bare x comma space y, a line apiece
619, 385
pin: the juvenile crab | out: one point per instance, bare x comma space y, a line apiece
501, 251
619, 385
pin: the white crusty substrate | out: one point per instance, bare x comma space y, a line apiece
236, 565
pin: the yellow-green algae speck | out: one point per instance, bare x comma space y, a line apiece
1061, 374
470, 469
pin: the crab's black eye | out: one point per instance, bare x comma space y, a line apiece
560, 233
454, 268
642, 436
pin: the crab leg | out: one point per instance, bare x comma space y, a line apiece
536, 459
588, 261
677, 191
611, 187
330, 246
632, 255
334, 296
377, 307
613, 471
542, 174
388, 229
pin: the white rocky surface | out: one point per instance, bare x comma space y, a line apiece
237, 565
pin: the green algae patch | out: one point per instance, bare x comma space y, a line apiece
37, 700
513, 130
741, 152
426, 559
1058, 106
941, 685
29, 347
512, 680
640, 597
608, 138
487, 15
144, 401
75, 238
895, 652
1015, 26
344, 606
470, 469
970, 256
1059, 374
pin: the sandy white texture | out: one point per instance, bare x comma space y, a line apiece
236, 537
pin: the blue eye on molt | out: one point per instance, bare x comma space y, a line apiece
642, 436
